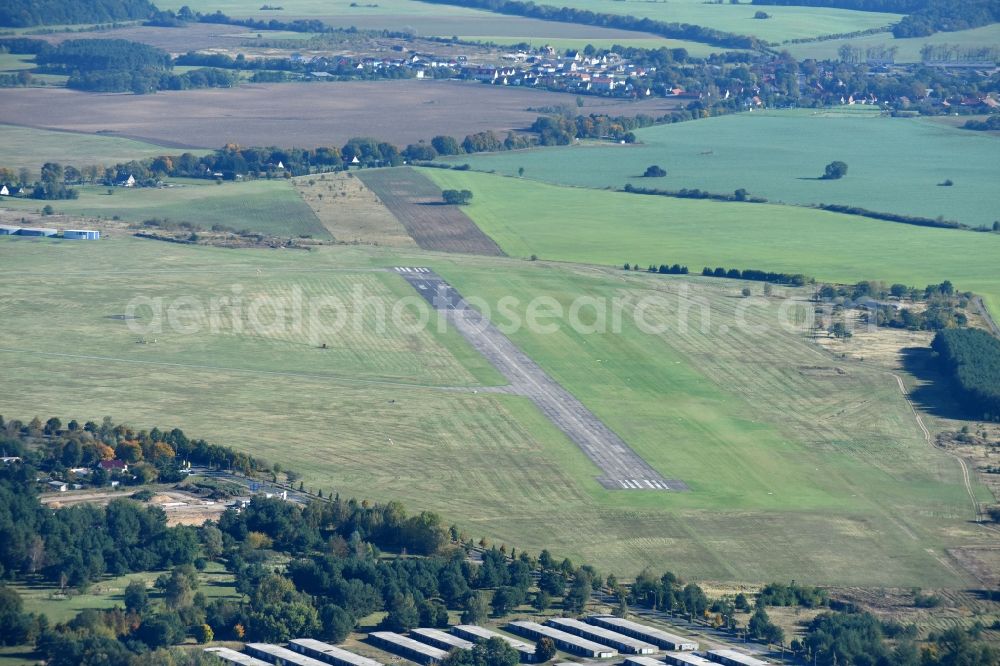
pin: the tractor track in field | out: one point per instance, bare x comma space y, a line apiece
622, 468
966, 477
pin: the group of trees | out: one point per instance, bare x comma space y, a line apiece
456, 197
861, 638
27, 13
971, 357
943, 306
153, 455
115, 65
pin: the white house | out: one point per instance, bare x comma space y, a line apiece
4, 192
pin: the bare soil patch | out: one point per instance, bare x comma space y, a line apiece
350, 211
414, 200
181, 508
193, 37
299, 114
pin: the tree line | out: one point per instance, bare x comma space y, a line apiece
262, 162
792, 279
695, 193
971, 357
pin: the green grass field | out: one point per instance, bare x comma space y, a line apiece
609, 228
214, 582
894, 164
909, 49
29, 147
268, 206
781, 462
10, 62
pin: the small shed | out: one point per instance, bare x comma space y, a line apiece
58, 486
82, 234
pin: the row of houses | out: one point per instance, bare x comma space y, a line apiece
44, 232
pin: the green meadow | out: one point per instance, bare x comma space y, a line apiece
895, 164
784, 22
267, 206
781, 462
29, 147
599, 227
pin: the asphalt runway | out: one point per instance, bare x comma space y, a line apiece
622, 467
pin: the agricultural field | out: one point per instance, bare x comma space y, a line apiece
192, 37
779, 155
12, 62
796, 454
268, 206
784, 23
609, 228
29, 148
350, 211
323, 114
416, 202
420, 18
908, 49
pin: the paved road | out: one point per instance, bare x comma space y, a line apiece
622, 467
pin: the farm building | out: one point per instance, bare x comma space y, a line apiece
407, 647
563, 640
36, 231
82, 234
620, 642
8, 231
281, 656
441, 639
475, 633
657, 637
228, 656
734, 658
4, 192
329, 654
685, 659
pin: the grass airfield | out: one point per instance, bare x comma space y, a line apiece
782, 462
